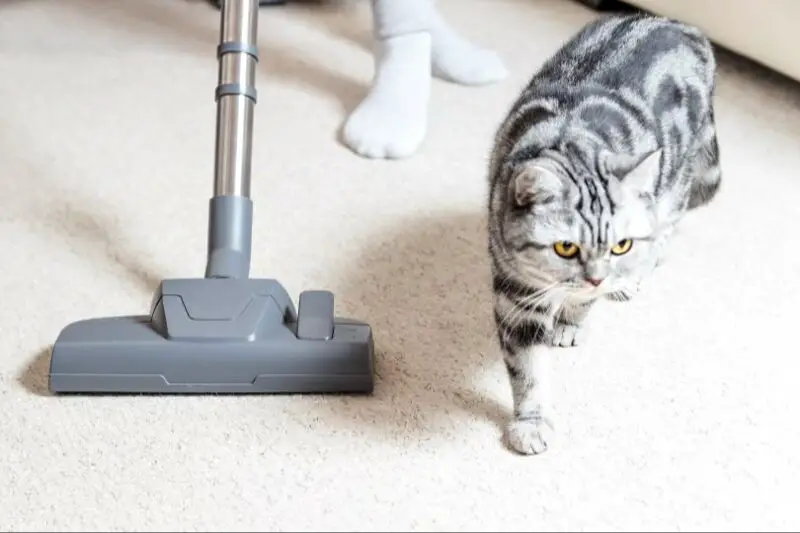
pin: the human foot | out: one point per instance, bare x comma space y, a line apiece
391, 121
458, 60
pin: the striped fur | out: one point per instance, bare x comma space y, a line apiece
613, 139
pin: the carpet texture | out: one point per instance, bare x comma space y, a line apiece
679, 413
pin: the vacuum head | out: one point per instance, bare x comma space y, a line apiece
224, 333
218, 336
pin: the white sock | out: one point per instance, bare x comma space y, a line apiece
392, 119
458, 60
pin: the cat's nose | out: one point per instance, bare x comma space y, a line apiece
595, 281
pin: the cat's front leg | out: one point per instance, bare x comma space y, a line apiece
528, 360
570, 326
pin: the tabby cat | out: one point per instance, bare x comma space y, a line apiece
610, 143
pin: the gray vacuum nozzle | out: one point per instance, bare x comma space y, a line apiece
225, 332
218, 336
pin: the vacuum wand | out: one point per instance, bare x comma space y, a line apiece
230, 208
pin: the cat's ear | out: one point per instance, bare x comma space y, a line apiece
535, 182
643, 177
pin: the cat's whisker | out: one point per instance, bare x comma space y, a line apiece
523, 306
561, 303
520, 312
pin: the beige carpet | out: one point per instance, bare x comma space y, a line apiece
680, 413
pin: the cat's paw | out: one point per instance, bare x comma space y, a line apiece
568, 335
530, 436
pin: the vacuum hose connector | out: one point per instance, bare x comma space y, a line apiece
230, 210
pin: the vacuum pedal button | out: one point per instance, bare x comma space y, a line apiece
315, 315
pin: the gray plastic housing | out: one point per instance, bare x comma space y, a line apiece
230, 234
220, 335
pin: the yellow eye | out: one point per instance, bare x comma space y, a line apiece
566, 249
622, 247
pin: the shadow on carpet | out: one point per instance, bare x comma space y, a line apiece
425, 288
35, 376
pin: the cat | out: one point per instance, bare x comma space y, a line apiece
611, 142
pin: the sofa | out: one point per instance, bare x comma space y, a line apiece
760, 30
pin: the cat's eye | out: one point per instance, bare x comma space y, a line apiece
566, 249
622, 247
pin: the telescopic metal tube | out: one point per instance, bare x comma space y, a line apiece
230, 222
236, 97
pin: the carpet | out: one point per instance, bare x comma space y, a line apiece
680, 412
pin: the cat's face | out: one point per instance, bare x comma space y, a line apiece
586, 237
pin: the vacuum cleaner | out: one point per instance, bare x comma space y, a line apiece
224, 332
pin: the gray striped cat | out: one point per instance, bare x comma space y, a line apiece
610, 143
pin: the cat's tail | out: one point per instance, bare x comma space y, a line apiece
706, 171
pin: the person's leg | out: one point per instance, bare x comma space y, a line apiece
391, 121
413, 42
